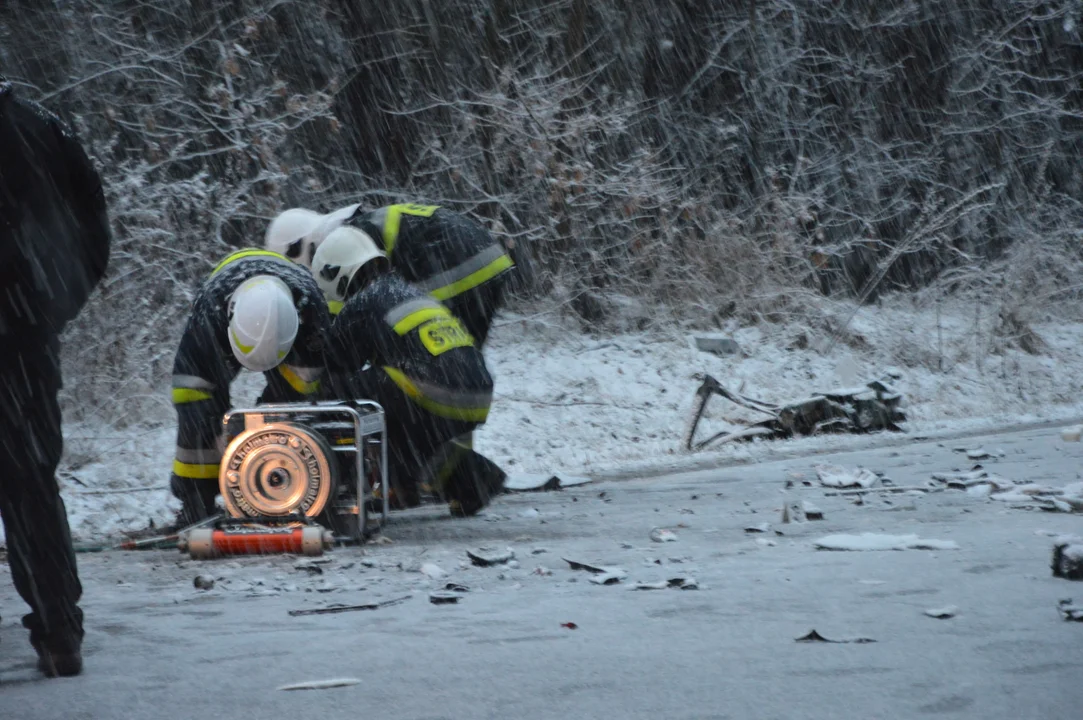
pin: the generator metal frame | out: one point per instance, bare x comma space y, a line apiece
364, 425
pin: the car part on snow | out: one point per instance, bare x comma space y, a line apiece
319, 460
873, 408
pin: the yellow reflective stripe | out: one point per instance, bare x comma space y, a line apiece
418, 317
237, 341
198, 472
253, 252
334, 306
297, 382
393, 220
475, 414
474, 279
187, 395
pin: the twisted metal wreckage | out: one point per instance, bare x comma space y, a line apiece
872, 408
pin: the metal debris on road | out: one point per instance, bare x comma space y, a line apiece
609, 577
1068, 558
486, 557
942, 613
835, 476
1069, 611
440, 597
661, 535
321, 684
350, 608
814, 636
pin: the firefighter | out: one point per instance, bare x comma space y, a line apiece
297, 232
446, 254
424, 369
257, 311
54, 249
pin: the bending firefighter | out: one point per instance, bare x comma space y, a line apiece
447, 255
425, 370
257, 311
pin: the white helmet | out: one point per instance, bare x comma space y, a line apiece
294, 233
262, 322
338, 258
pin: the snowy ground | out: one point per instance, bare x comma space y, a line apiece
158, 647
620, 405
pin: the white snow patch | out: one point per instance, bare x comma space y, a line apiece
873, 541
569, 403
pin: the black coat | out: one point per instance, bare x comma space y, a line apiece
54, 227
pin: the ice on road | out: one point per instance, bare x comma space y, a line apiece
532, 637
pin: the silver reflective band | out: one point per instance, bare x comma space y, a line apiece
463, 270
308, 374
453, 398
378, 218
192, 382
400, 312
210, 456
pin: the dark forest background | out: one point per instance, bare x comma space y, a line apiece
710, 159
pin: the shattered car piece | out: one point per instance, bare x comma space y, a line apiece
873, 408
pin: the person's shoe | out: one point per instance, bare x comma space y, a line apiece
59, 659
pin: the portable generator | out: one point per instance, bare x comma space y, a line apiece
324, 461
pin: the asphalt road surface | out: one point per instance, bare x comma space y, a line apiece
159, 648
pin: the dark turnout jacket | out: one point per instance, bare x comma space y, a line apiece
417, 343
204, 365
54, 227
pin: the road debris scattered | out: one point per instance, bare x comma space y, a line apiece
661, 535
610, 577
332, 609
836, 476
442, 597
1069, 611
486, 557
980, 482
942, 613
814, 636
1068, 558
321, 684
